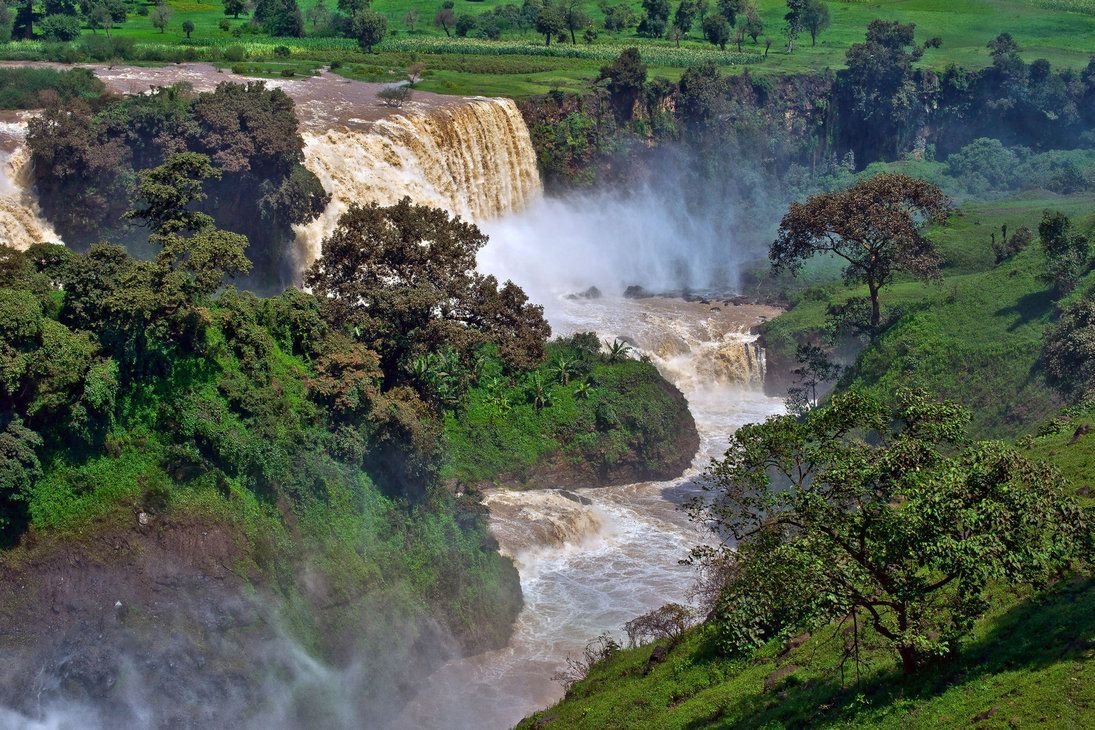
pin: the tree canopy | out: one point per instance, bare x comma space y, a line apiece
403, 277
875, 226
879, 517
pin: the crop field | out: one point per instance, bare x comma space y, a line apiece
1062, 31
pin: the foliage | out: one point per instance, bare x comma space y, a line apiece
888, 516
1069, 351
1068, 253
873, 225
404, 278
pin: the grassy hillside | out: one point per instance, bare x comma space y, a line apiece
976, 338
979, 319
1059, 30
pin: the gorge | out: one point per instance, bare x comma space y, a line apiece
588, 560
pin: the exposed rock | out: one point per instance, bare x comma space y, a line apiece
590, 293
986, 714
794, 643
575, 497
656, 657
1080, 432
637, 292
773, 680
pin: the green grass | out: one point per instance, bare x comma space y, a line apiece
1059, 30
1028, 663
975, 337
500, 434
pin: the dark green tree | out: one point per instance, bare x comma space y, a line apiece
403, 278
550, 22
655, 18
815, 18
885, 519
235, 7
626, 77
875, 226
369, 28
1068, 253
716, 29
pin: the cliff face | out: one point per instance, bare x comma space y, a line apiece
171, 621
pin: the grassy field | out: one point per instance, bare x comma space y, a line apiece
978, 319
1059, 30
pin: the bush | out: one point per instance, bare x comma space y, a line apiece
224, 25
235, 53
282, 52
1069, 351
394, 96
288, 73
60, 28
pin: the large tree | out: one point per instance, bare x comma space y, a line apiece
403, 279
877, 517
626, 76
875, 226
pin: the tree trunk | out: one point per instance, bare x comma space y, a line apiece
573, 40
909, 660
547, 39
876, 309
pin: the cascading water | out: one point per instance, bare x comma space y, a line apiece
474, 160
592, 559
21, 222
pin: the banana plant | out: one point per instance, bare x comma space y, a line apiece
618, 350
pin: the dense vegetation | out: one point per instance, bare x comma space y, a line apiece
311, 427
87, 155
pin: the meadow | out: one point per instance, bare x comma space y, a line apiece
1058, 30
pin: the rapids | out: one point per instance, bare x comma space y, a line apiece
588, 568
21, 222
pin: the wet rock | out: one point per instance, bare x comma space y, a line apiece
575, 497
636, 292
590, 293
656, 657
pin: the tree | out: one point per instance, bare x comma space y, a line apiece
873, 225
730, 9
318, 13
19, 466
878, 517
752, 24
353, 8
410, 20
160, 17
550, 22
280, 17
188, 28
878, 92
465, 23
369, 28
445, 18
404, 278
7, 22
655, 18
716, 29
575, 17
235, 7
99, 16
60, 28
815, 18
194, 255
626, 76
685, 17
1068, 354
794, 20
1067, 253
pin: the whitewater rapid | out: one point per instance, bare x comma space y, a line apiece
587, 569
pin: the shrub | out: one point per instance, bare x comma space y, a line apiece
235, 53
282, 52
60, 28
394, 96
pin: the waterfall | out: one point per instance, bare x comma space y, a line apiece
473, 159
21, 223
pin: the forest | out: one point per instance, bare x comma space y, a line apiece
909, 542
